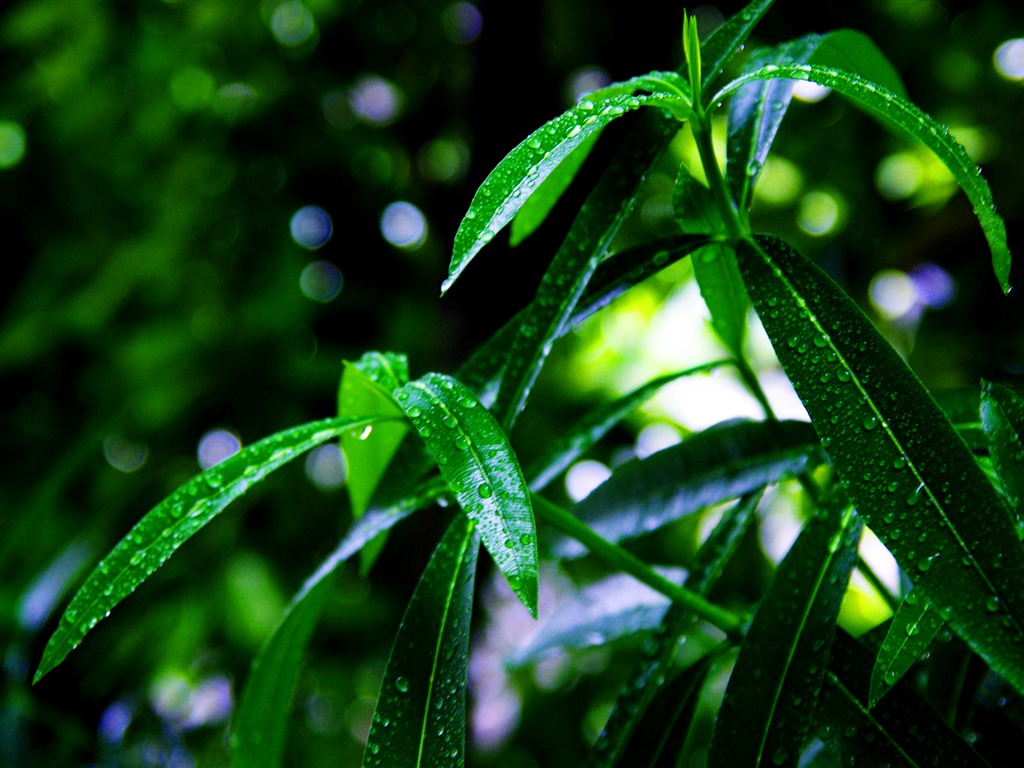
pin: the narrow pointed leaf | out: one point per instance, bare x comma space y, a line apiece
722, 289
726, 41
1002, 415
637, 695
910, 634
854, 52
902, 731
480, 467
173, 521
583, 435
516, 177
587, 243
905, 467
420, 718
693, 207
769, 702
895, 111
708, 468
963, 408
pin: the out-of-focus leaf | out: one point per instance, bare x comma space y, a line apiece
480, 467
906, 468
728, 39
1002, 416
517, 176
593, 426
902, 730
587, 243
721, 463
420, 718
911, 632
769, 702
538, 205
962, 407
174, 520
899, 113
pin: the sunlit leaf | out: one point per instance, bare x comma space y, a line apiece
910, 634
769, 702
420, 718
708, 468
902, 730
1002, 415
480, 467
583, 435
587, 243
906, 468
520, 173
901, 114
174, 520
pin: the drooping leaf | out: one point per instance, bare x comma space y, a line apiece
587, 243
593, 426
1002, 416
912, 630
517, 176
769, 702
728, 39
902, 730
897, 112
906, 468
365, 388
480, 467
420, 718
174, 520
259, 726
853, 51
639, 692
721, 463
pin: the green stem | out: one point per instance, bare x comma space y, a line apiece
701, 127
616, 556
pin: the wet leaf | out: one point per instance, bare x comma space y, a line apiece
726, 41
480, 467
721, 463
1002, 416
906, 468
420, 718
174, 520
769, 702
963, 408
910, 634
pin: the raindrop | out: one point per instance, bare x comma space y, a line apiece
401, 684
484, 490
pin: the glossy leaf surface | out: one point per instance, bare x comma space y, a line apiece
726, 41
480, 467
912, 630
713, 466
1002, 416
905, 467
769, 702
174, 520
420, 718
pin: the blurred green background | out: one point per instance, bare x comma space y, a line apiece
205, 205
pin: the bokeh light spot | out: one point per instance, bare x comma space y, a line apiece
934, 286
1009, 59
444, 160
12, 144
320, 281
311, 227
292, 24
217, 445
780, 182
805, 90
463, 22
892, 293
124, 454
819, 213
403, 225
192, 88
325, 467
583, 477
583, 81
898, 176
656, 437
374, 100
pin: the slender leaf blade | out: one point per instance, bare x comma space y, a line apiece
906, 468
1002, 417
726, 41
768, 705
420, 718
912, 630
173, 521
480, 467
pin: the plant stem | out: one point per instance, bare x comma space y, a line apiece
618, 557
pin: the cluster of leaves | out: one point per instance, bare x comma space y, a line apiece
880, 452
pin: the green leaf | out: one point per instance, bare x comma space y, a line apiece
480, 467
910, 634
722, 289
902, 730
726, 41
420, 718
538, 205
713, 466
906, 468
1002, 416
693, 206
174, 520
517, 176
769, 702
963, 407
637, 695
855, 52
899, 113
587, 243
583, 435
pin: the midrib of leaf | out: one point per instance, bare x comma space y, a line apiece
456, 575
866, 713
882, 423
